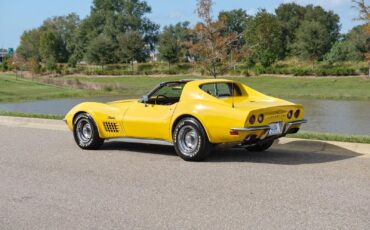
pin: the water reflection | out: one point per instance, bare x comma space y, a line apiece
59, 107
348, 117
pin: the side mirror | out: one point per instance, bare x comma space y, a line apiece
145, 99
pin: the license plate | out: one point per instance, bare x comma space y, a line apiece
276, 129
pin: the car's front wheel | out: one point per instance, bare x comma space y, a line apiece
260, 147
86, 133
190, 140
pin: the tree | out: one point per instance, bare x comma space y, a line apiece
290, 16
364, 15
29, 45
113, 18
312, 41
351, 48
63, 28
214, 51
49, 49
100, 50
131, 47
235, 22
328, 19
263, 37
50, 43
172, 41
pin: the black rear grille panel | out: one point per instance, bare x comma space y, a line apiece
111, 127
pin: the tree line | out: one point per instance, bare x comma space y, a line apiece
119, 31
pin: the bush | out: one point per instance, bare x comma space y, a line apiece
185, 66
118, 67
298, 71
145, 67
364, 70
335, 71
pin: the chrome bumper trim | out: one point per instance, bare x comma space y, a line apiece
258, 128
304, 121
290, 124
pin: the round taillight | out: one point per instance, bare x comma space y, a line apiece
290, 114
252, 119
261, 117
297, 113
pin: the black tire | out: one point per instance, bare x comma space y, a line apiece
261, 146
190, 140
86, 133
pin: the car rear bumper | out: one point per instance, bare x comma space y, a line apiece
263, 132
266, 128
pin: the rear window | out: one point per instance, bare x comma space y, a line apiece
221, 89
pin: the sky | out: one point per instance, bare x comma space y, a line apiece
16, 16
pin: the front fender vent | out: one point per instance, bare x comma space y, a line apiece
111, 127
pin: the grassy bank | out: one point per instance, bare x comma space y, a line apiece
31, 115
14, 89
350, 88
346, 88
332, 137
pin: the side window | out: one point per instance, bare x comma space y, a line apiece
224, 90
209, 88
221, 89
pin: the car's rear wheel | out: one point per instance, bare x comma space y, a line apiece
86, 133
190, 140
260, 147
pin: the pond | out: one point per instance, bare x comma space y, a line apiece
346, 117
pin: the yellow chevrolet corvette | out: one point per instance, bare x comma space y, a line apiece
192, 115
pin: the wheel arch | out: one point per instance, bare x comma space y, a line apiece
179, 118
89, 114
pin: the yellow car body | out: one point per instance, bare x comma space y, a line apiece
225, 119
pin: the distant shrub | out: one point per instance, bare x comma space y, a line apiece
364, 70
335, 71
145, 67
299, 71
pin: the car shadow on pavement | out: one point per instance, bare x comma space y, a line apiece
292, 153
139, 148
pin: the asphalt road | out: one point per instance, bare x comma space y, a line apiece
47, 182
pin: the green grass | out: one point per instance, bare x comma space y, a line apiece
31, 115
345, 88
339, 88
332, 137
14, 89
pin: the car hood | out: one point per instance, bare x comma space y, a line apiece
122, 103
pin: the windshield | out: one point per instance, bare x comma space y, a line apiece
167, 94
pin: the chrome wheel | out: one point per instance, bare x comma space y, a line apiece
84, 131
189, 140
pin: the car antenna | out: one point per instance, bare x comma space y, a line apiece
232, 95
